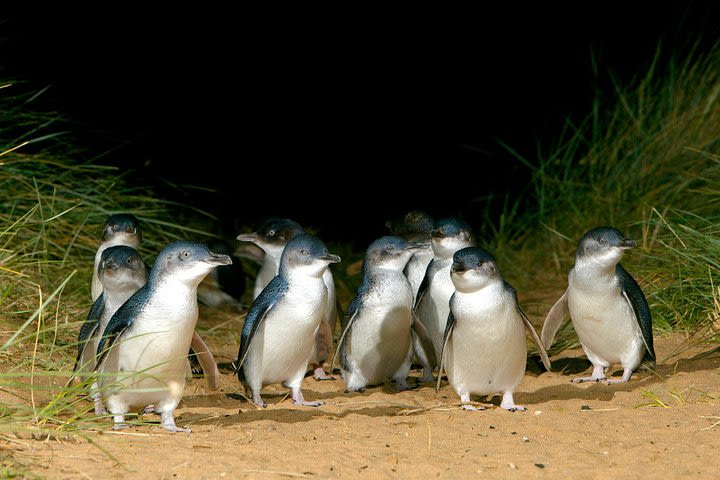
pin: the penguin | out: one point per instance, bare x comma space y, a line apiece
608, 309
121, 272
124, 229
272, 236
432, 304
484, 347
376, 343
119, 229
142, 355
415, 227
278, 336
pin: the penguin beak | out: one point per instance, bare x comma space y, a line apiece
330, 258
459, 268
627, 243
416, 246
218, 259
437, 233
248, 237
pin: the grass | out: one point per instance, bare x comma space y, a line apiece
648, 165
52, 210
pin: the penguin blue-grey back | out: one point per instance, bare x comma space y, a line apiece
375, 345
608, 309
272, 236
119, 229
278, 336
142, 355
484, 348
432, 303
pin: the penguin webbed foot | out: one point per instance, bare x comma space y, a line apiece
168, 423
598, 375
319, 374
508, 403
624, 379
355, 390
149, 409
257, 400
120, 426
472, 408
299, 399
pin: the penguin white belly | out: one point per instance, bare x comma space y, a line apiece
380, 342
149, 361
487, 351
606, 325
435, 307
285, 341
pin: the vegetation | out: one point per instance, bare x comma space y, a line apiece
649, 166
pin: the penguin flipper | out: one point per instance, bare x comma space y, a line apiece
257, 313
348, 319
448, 331
88, 328
422, 289
422, 345
554, 319
206, 360
634, 295
541, 349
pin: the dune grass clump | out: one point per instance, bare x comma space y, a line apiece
649, 165
52, 210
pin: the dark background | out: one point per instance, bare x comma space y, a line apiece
337, 119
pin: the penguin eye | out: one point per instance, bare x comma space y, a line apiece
480, 262
304, 252
185, 254
116, 228
271, 233
601, 240
389, 248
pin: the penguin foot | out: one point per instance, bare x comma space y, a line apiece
509, 404
120, 426
168, 423
299, 399
355, 390
472, 408
100, 408
587, 379
148, 410
625, 378
319, 374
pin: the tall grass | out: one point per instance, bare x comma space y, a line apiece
52, 209
648, 164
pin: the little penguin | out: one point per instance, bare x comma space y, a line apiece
142, 355
609, 311
124, 229
119, 229
376, 343
432, 304
278, 336
272, 236
485, 351
415, 227
121, 273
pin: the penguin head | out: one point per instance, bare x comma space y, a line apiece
473, 268
450, 235
122, 229
120, 266
390, 253
186, 262
603, 245
307, 255
273, 234
414, 226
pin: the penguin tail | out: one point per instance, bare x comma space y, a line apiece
648, 362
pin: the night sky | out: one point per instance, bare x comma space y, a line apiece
352, 102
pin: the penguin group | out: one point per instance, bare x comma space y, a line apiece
428, 296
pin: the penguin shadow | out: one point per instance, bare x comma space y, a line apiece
570, 367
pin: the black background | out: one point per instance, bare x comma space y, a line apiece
338, 119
